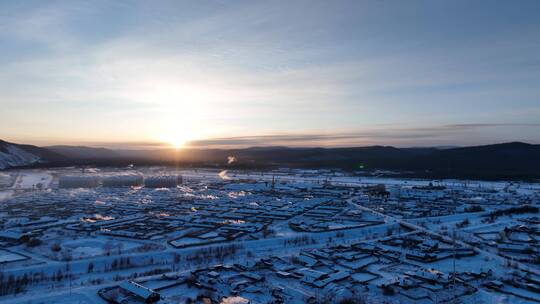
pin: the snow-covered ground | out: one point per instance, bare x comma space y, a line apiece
32, 179
324, 233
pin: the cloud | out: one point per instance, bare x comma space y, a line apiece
444, 134
490, 125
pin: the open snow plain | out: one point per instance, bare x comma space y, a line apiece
76, 235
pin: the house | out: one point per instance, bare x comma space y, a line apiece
213, 274
307, 260
510, 247
421, 257
320, 254
430, 275
430, 245
363, 277
239, 284
334, 277
495, 285
146, 294
404, 282
284, 274
14, 236
253, 276
310, 275
360, 263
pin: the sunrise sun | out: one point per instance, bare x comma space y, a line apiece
177, 141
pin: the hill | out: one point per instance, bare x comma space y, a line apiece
498, 161
15, 155
83, 152
514, 160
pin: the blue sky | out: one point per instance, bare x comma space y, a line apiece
241, 73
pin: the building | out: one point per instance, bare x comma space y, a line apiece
81, 181
163, 181
129, 180
146, 294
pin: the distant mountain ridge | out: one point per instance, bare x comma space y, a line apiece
83, 152
498, 161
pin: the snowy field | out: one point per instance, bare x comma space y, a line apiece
33, 179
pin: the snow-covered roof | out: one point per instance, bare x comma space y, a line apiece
13, 235
138, 289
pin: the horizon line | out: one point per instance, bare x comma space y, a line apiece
160, 146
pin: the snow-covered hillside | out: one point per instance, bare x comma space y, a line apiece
12, 156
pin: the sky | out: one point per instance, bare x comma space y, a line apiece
134, 74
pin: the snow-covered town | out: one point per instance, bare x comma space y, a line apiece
269, 152
163, 235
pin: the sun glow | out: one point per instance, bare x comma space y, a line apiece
177, 141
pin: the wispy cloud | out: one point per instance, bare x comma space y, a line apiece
491, 125
436, 135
